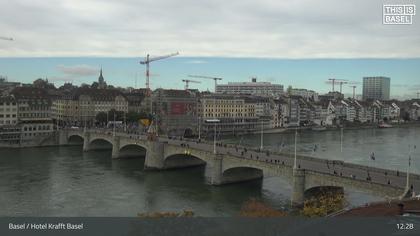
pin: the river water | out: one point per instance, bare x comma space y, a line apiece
65, 181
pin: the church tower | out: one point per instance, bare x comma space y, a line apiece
101, 81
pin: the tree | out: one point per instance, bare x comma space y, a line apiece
289, 90
255, 208
101, 117
133, 117
40, 83
323, 205
95, 85
119, 115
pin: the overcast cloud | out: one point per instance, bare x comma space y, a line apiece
78, 70
234, 28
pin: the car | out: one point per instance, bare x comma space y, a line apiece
74, 127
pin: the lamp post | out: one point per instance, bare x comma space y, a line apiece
125, 122
262, 135
199, 127
214, 121
408, 167
295, 161
341, 139
113, 127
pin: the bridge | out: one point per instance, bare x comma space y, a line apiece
231, 164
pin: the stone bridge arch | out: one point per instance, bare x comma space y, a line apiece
99, 143
132, 150
75, 139
182, 160
241, 174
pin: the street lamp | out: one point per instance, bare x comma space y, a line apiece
113, 127
295, 161
214, 121
199, 128
262, 135
409, 164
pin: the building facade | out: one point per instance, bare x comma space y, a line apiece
175, 112
251, 88
376, 88
80, 107
8, 111
34, 114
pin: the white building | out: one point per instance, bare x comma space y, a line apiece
252, 88
306, 94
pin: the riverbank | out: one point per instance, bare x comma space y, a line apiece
310, 128
382, 209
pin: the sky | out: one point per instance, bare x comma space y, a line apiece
300, 43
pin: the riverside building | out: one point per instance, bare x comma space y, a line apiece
251, 88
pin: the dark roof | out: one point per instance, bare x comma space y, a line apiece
96, 94
173, 93
29, 93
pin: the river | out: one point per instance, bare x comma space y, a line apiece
65, 181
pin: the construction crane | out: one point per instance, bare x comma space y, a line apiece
207, 77
354, 90
147, 61
6, 38
334, 81
187, 81
353, 85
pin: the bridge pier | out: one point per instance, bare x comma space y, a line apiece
62, 138
115, 147
298, 190
213, 172
86, 141
155, 155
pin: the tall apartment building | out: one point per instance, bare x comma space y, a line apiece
376, 88
251, 88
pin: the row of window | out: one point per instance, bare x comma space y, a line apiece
7, 103
35, 127
7, 109
8, 122
7, 115
32, 115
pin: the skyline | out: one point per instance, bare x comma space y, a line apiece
404, 73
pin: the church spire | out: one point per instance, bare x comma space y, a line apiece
101, 80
